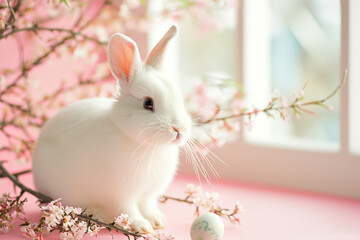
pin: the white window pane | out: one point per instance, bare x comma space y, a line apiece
354, 77
286, 44
204, 46
208, 52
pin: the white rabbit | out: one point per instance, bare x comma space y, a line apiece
117, 155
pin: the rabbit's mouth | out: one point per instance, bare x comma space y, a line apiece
177, 138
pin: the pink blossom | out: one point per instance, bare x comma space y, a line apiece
10, 208
193, 190
3, 16
94, 230
198, 202
201, 4
177, 14
5, 227
125, 12
58, 212
211, 199
30, 231
69, 210
159, 236
238, 207
132, 3
276, 94
51, 220
2, 81
123, 221
102, 70
67, 236
285, 115
68, 222
201, 94
284, 102
237, 105
79, 230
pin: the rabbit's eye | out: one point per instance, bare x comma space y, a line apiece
148, 104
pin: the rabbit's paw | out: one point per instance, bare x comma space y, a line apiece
156, 218
141, 226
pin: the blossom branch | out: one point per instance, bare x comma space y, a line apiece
36, 62
165, 198
35, 29
15, 180
111, 226
45, 199
12, 10
296, 105
12, 17
209, 201
17, 174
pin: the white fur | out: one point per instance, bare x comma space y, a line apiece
112, 156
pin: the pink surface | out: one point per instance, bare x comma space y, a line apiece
270, 213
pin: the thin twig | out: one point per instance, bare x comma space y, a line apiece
45, 199
11, 18
35, 63
271, 108
17, 174
165, 198
16, 181
333, 93
35, 29
88, 218
12, 10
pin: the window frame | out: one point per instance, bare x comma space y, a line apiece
335, 172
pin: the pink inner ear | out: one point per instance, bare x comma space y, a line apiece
123, 57
128, 58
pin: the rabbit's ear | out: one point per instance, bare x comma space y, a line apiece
155, 56
124, 59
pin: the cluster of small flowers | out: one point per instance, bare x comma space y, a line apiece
10, 209
159, 236
65, 219
221, 105
280, 101
201, 11
215, 98
209, 201
3, 17
123, 221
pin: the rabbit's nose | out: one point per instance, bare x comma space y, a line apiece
176, 129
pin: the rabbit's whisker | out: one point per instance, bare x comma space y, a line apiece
214, 156
198, 162
207, 159
190, 159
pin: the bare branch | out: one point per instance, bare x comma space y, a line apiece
294, 105
36, 29
45, 199
16, 181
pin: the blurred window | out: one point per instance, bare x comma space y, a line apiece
288, 44
354, 76
282, 44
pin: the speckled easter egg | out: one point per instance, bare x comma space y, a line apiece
207, 226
